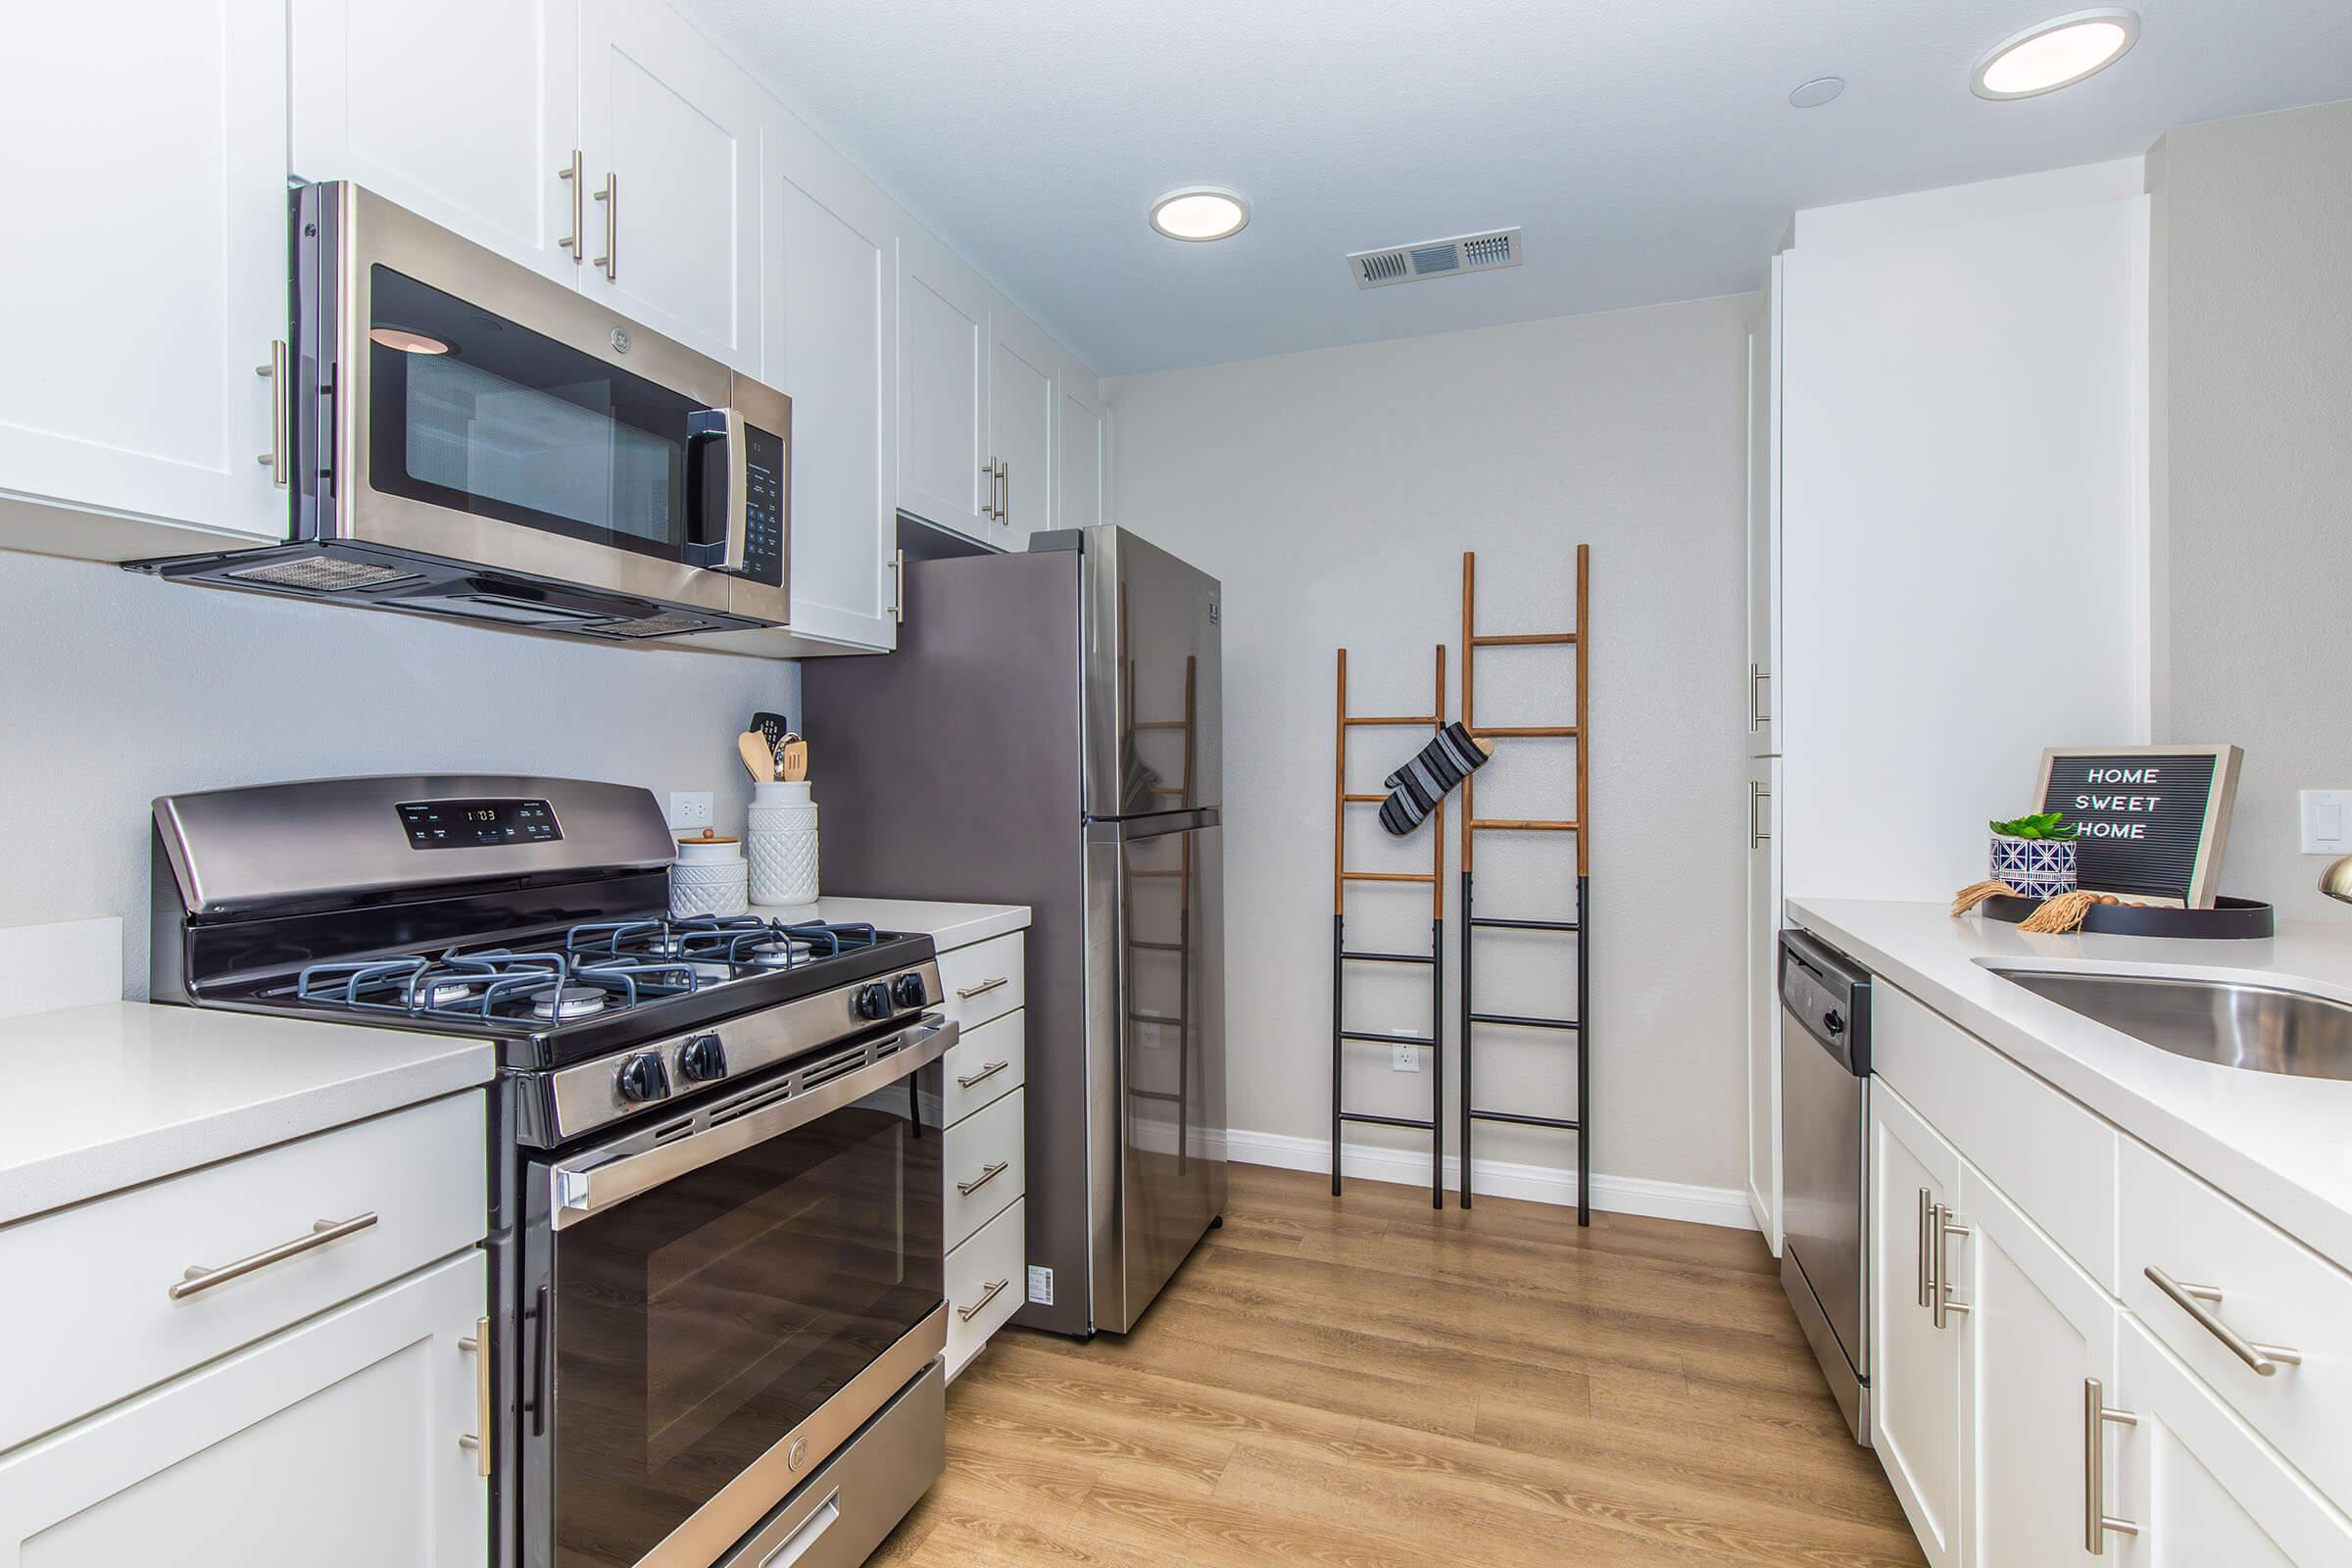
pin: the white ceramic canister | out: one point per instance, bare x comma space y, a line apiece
707, 878
782, 842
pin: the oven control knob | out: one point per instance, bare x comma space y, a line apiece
871, 1000
907, 990
641, 1078
702, 1059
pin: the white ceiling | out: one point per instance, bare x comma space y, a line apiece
1646, 146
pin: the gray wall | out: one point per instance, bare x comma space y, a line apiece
116, 688
2252, 483
1334, 493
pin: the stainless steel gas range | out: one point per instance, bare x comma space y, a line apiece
714, 1166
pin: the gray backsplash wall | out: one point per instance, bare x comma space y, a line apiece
2252, 482
116, 688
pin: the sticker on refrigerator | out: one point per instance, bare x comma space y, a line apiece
1041, 1286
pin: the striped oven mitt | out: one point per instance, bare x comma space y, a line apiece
1430, 775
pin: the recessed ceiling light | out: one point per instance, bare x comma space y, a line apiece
408, 342
2054, 54
1813, 94
1201, 212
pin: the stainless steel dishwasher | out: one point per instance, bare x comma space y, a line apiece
1825, 1098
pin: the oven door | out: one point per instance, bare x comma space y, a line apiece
473, 410
712, 1314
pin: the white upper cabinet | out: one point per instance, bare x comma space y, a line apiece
1022, 376
481, 143
670, 130
1082, 453
1764, 516
144, 155
944, 474
831, 320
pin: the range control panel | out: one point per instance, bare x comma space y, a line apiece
474, 825
764, 479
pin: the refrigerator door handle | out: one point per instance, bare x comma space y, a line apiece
1122, 829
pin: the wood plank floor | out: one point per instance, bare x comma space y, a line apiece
1364, 1383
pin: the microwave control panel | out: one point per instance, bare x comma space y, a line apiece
473, 824
764, 479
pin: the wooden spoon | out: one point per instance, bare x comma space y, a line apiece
796, 760
758, 759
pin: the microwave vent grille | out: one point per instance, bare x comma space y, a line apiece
670, 624
324, 574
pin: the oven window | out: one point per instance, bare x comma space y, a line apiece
698, 1323
473, 412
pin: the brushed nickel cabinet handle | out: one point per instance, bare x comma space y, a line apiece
279, 459
898, 587
611, 197
1004, 492
1927, 1246
983, 1075
1943, 1306
967, 993
995, 1288
478, 1345
1757, 716
2265, 1360
199, 1278
2097, 1522
1757, 794
573, 242
988, 1173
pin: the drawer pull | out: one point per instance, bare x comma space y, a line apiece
2097, 1522
200, 1278
1927, 1246
2193, 1299
967, 993
988, 1173
983, 1075
478, 1345
995, 1288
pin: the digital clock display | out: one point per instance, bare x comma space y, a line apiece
477, 824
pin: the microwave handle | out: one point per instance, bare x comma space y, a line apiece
725, 551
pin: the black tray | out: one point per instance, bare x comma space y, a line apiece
2230, 920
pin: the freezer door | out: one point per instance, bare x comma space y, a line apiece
1153, 678
1156, 1051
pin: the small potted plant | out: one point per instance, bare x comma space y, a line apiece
2035, 855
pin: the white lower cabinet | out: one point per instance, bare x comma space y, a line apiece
985, 1147
985, 1283
1915, 1362
335, 1441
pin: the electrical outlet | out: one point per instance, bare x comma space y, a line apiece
2327, 821
689, 810
1405, 1058
1146, 1035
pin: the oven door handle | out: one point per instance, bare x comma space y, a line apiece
589, 1185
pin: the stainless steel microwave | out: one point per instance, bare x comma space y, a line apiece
472, 439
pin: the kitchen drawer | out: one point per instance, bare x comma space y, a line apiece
986, 1279
982, 981
984, 1152
90, 1283
2274, 1291
2052, 1157
987, 1064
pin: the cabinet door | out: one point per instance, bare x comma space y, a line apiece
335, 1441
1915, 1364
144, 156
1763, 998
2203, 1488
480, 143
1764, 518
2036, 1328
831, 322
1023, 377
1081, 453
942, 386
670, 134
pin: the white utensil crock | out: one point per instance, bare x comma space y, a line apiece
707, 878
782, 842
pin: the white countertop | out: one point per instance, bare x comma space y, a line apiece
105, 1097
951, 925
2280, 1146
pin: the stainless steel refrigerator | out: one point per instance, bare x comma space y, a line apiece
1047, 734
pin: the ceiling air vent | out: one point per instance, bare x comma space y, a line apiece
1439, 258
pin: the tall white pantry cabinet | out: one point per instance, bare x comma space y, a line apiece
606, 145
1948, 415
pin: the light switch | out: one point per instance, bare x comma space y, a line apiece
2327, 821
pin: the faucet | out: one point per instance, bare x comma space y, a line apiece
2336, 880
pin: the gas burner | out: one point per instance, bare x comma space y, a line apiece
557, 1003
445, 993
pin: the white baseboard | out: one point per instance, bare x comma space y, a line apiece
1726, 1207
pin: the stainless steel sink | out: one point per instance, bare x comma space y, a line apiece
2257, 1027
